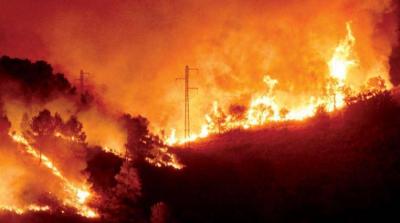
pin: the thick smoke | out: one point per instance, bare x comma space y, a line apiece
21, 184
395, 56
29, 87
74, 130
135, 50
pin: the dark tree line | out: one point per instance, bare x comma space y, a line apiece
37, 82
45, 124
36, 79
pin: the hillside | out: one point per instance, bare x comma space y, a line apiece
343, 167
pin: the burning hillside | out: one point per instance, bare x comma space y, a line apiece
267, 107
53, 163
331, 168
294, 117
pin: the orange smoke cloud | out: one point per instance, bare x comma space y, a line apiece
134, 50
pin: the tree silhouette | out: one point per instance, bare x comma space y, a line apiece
238, 112
36, 80
74, 128
45, 124
139, 140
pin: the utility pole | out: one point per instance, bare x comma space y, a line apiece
82, 81
187, 104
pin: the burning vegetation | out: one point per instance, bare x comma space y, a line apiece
303, 124
58, 152
266, 108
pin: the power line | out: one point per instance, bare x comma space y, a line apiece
81, 79
187, 103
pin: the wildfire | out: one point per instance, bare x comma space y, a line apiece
29, 208
162, 157
340, 62
265, 108
339, 66
77, 195
171, 140
68, 138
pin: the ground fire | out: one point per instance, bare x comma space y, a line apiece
289, 112
266, 108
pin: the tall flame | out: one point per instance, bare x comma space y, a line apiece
265, 108
339, 66
340, 61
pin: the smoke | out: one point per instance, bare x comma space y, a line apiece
67, 138
42, 107
29, 87
135, 50
103, 129
20, 184
395, 56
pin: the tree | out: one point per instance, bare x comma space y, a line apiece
74, 128
139, 140
45, 124
36, 79
102, 168
376, 84
121, 202
217, 119
238, 112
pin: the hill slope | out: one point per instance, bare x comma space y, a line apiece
339, 168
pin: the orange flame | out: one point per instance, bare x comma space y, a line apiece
340, 61
165, 158
78, 195
265, 108
22, 210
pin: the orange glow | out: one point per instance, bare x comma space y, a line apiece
163, 158
77, 195
101, 90
341, 62
266, 108
68, 138
22, 210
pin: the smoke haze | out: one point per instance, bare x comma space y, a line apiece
134, 50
